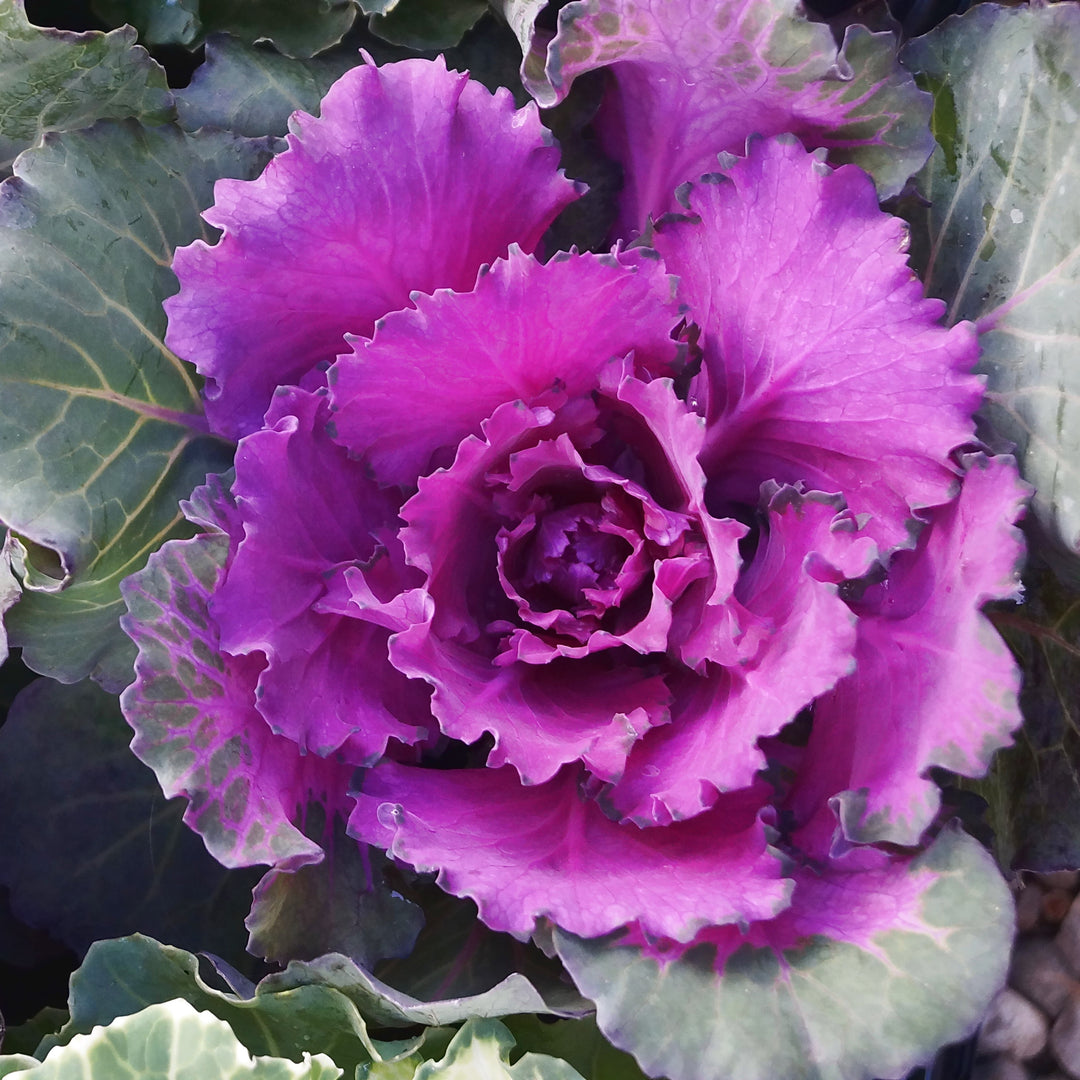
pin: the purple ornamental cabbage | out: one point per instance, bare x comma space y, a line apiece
621, 525
688, 79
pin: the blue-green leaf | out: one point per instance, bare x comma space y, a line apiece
102, 430
909, 963
1000, 241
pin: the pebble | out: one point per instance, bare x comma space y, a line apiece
1065, 1038
1032, 1029
1012, 1026
1041, 973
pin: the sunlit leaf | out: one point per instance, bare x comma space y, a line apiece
481, 1051
170, 1039
125, 975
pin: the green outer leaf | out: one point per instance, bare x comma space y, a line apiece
10, 591
400, 1059
481, 1051
131, 862
1033, 787
428, 24
387, 1007
296, 27
253, 91
159, 22
577, 1041
827, 1010
171, 1039
458, 958
15, 1063
102, 431
1001, 240
25, 1038
55, 80
123, 976
342, 904
377, 7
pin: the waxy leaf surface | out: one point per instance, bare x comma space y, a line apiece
102, 430
125, 975
390, 207
905, 959
253, 91
170, 1039
1000, 240
159, 22
427, 24
384, 1006
55, 80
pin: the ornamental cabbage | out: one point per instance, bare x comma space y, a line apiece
634, 593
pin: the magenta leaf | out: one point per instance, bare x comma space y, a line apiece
825, 364
799, 639
548, 851
310, 690
371, 202
594, 701
524, 330
934, 684
193, 711
694, 78
869, 971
